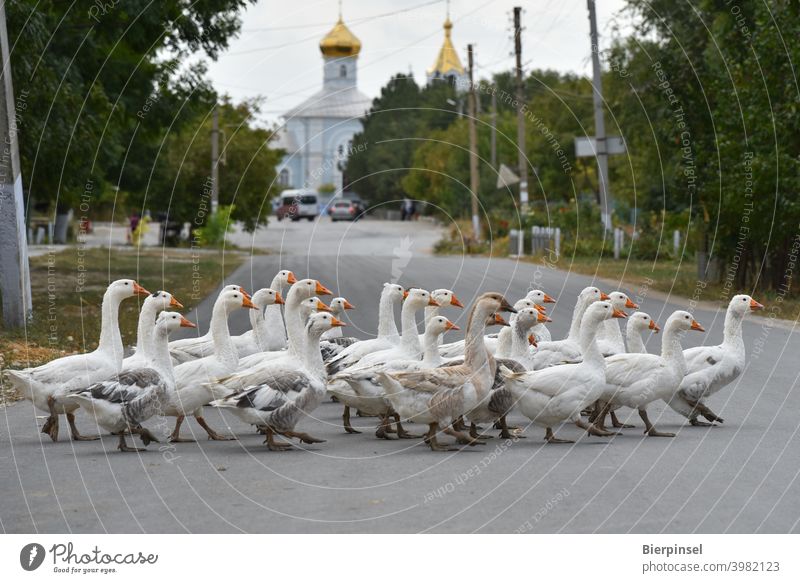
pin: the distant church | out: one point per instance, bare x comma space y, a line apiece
317, 135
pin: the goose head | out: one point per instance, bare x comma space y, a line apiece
306, 288
311, 305
232, 300
417, 299
439, 325
496, 301
529, 317
446, 297
171, 321
236, 288
526, 303
599, 312
339, 305
620, 301
162, 300
125, 288
266, 297
540, 298
393, 291
680, 321
320, 323
743, 304
286, 277
638, 322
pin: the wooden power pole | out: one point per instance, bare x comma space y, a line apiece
215, 159
474, 181
606, 201
15, 281
522, 159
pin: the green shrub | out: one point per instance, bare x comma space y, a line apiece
216, 227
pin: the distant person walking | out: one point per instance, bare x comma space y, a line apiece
408, 209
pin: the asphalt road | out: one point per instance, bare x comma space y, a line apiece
740, 477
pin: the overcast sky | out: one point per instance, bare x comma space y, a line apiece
277, 54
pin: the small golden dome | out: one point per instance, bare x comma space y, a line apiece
340, 42
447, 62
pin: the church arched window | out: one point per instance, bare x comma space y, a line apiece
283, 177
343, 71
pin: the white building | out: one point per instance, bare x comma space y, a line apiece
317, 134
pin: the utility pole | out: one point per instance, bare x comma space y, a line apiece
15, 280
493, 143
473, 150
215, 160
522, 160
606, 201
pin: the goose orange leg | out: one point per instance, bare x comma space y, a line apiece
211, 433
550, 437
650, 429
175, 436
346, 421
433, 429
76, 436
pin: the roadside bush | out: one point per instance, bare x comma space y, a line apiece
217, 226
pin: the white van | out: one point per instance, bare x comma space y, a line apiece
298, 204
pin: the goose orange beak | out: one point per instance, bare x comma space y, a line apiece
337, 322
654, 327
321, 307
186, 323
754, 305
247, 303
542, 318
540, 309
619, 314
279, 298
291, 278
454, 301
532, 341
696, 326
322, 290
244, 293
451, 326
348, 306
630, 305
548, 299
604, 296
434, 303
405, 293
139, 290
498, 319
173, 303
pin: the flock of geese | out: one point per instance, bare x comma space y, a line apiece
295, 355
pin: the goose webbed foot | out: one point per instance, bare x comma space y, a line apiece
474, 434
459, 425
213, 434
509, 432
650, 429
175, 436
401, 432
76, 436
697, 423
550, 437
145, 435
382, 432
123, 445
274, 445
592, 429
615, 422
346, 421
433, 443
52, 421
464, 438
303, 437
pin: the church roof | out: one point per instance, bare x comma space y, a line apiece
447, 61
336, 102
340, 42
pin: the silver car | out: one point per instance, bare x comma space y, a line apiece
343, 210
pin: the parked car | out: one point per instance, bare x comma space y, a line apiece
344, 210
298, 204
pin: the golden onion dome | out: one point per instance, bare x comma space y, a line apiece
340, 42
447, 61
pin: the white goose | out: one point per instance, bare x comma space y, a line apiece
557, 394
288, 393
540, 298
273, 318
636, 380
66, 374
638, 322
443, 297
338, 306
710, 368
188, 349
439, 396
519, 348
609, 338
299, 303
122, 403
502, 347
359, 387
192, 379
388, 336
151, 306
560, 351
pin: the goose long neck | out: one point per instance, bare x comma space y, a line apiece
258, 323
589, 349
634, 340
221, 336
431, 354
159, 358
431, 312
519, 338
144, 329
387, 327
410, 335
577, 316
671, 346
475, 354
732, 333
312, 355
294, 324
110, 337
